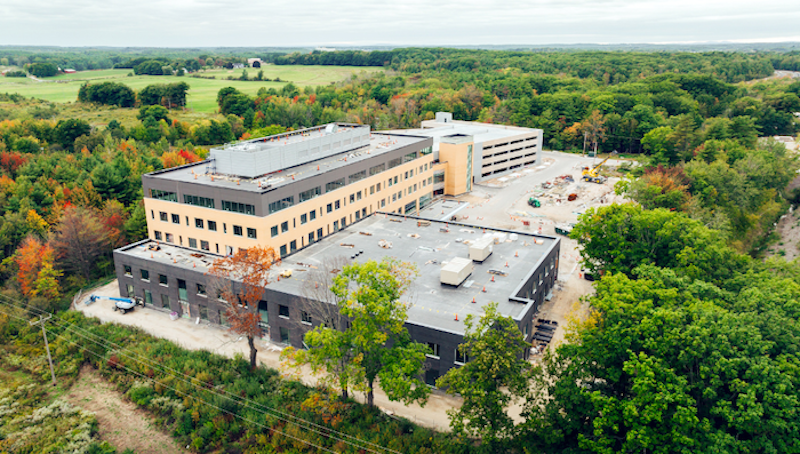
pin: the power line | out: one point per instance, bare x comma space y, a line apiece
265, 410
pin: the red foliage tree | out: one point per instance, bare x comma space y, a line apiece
249, 268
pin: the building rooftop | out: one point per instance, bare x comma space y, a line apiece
204, 172
430, 244
480, 132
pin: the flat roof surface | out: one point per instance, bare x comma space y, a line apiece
170, 254
481, 132
201, 172
433, 304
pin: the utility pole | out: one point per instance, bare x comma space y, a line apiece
46, 345
584, 144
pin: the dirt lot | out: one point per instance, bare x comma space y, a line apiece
121, 423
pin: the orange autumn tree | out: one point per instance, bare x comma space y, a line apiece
36, 273
239, 280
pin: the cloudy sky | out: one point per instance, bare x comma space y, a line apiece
196, 23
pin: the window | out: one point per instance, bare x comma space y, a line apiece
395, 162
251, 233
283, 311
201, 290
335, 226
284, 335
170, 238
165, 301
426, 167
283, 251
183, 295
306, 317
330, 207
152, 214
406, 175
162, 215
128, 270
148, 298
374, 170
319, 234
176, 219
363, 212
205, 246
303, 218
222, 319
389, 183
198, 223
372, 189
410, 157
237, 230
344, 222
203, 313
352, 198
333, 185
281, 204
394, 197
358, 195
192, 243
358, 215
284, 226
163, 195
426, 151
273, 231
383, 203
212, 225
293, 245
310, 237
461, 358
357, 176
263, 311
162, 279
337, 204
433, 350
378, 187
157, 235
312, 214
395, 178
199, 201
411, 173
131, 291
238, 207
310, 194
145, 275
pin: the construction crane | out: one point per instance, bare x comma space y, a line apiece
591, 175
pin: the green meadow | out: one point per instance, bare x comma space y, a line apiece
202, 96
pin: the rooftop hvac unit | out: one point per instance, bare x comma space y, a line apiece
456, 271
481, 249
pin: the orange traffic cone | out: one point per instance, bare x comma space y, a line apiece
473, 300
456, 317
492, 277
516, 253
484, 289
506, 264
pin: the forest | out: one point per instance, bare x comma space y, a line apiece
692, 341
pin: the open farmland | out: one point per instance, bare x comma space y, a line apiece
202, 93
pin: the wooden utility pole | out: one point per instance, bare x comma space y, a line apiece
46, 345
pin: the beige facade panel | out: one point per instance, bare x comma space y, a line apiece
294, 225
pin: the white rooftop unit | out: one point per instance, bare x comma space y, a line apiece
481, 249
456, 271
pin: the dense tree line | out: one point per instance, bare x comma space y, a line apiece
110, 93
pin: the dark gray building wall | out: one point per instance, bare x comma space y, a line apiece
447, 341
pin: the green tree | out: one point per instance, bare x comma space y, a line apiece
494, 376
66, 131
375, 349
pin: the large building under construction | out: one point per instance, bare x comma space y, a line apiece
306, 192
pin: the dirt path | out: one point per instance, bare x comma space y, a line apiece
788, 229
121, 423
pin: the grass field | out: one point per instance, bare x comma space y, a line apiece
202, 92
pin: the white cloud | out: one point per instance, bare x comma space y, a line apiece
198, 23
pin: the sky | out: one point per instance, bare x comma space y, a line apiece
285, 23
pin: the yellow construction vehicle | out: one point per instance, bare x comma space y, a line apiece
590, 174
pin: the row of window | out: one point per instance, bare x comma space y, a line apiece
433, 352
201, 223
